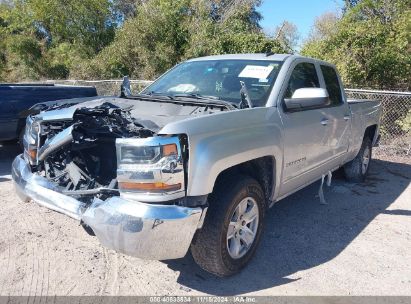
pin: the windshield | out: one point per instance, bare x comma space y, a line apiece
219, 79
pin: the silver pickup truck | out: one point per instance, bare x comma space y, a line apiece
195, 160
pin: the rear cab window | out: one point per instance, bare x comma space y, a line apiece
332, 85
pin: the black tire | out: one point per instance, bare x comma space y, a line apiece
354, 169
209, 247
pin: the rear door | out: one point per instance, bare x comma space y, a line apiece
306, 132
338, 114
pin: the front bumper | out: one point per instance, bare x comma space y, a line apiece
147, 231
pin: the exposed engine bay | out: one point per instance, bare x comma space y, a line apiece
77, 150
89, 160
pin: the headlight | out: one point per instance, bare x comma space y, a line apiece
35, 128
150, 167
139, 155
30, 140
146, 154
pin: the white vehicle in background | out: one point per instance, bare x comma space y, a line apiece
198, 157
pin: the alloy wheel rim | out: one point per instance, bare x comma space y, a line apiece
365, 160
242, 228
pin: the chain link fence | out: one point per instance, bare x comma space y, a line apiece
395, 123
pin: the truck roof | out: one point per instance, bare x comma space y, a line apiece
255, 56
259, 56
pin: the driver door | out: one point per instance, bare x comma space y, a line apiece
305, 131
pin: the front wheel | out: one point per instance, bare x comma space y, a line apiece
232, 227
357, 169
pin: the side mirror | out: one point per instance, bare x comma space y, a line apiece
307, 98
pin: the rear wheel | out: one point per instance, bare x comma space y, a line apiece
232, 227
357, 169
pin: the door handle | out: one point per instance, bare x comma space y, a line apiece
324, 121
347, 117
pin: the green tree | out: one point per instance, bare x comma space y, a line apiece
146, 44
370, 45
351, 3
44, 38
165, 32
325, 25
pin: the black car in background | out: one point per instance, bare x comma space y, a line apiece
17, 101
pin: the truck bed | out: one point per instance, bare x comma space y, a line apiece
364, 112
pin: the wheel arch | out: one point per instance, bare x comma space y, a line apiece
263, 169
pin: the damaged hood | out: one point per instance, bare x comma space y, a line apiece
153, 115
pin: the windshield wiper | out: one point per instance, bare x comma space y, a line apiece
212, 99
157, 94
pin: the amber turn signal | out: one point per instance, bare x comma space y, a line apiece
170, 149
155, 187
32, 153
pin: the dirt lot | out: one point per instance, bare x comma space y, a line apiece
358, 244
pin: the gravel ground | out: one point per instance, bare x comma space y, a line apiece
358, 244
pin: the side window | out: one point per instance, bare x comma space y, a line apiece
303, 76
332, 84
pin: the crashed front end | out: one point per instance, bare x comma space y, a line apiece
116, 176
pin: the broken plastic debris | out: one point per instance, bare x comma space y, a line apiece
328, 182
